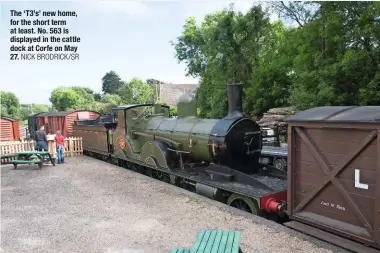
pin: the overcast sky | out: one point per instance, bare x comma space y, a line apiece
130, 37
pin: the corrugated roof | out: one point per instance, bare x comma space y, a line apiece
36, 114
339, 114
123, 107
53, 114
8, 118
62, 113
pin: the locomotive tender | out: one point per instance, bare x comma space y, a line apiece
217, 158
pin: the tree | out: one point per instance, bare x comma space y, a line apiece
37, 108
10, 105
78, 97
111, 83
98, 97
231, 47
27, 110
331, 58
86, 97
337, 60
112, 99
64, 98
136, 92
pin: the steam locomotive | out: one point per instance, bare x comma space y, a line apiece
217, 158
220, 159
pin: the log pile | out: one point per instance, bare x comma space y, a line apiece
274, 119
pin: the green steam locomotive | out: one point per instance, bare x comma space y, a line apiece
218, 158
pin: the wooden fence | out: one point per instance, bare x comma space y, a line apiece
73, 146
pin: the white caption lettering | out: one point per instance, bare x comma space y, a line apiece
357, 181
333, 205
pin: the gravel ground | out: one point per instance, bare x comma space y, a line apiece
87, 205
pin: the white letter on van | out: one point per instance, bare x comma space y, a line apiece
357, 181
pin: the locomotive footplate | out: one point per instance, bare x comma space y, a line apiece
221, 177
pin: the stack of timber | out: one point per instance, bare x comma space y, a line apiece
275, 117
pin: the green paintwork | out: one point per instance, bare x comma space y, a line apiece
252, 203
150, 122
33, 153
109, 133
180, 130
151, 150
8, 155
217, 241
186, 106
181, 250
26, 161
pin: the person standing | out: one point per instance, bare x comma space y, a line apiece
41, 140
60, 146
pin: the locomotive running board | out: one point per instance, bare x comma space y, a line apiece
331, 238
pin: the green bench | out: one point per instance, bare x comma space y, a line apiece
33, 157
8, 155
181, 250
215, 241
16, 162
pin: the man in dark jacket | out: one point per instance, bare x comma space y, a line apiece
41, 140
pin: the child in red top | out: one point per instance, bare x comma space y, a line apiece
60, 146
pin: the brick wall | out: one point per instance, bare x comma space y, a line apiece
171, 92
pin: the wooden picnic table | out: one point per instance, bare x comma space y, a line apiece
26, 157
209, 241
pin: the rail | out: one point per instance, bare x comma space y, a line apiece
73, 147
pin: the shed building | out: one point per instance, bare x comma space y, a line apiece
10, 129
334, 170
64, 121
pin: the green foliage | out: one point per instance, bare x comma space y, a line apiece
136, 92
331, 58
98, 97
72, 98
231, 47
338, 62
26, 110
64, 98
10, 105
173, 111
113, 99
86, 97
111, 83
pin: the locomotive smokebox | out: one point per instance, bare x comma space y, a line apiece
235, 100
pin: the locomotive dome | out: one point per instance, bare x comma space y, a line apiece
187, 106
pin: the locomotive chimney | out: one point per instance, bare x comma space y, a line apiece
235, 100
